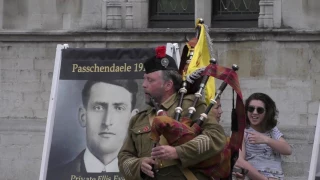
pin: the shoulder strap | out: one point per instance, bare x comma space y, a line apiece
188, 174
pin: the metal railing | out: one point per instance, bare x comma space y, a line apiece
171, 13
172, 7
235, 13
238, 7
181, 13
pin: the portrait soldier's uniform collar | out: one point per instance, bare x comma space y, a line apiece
161, 61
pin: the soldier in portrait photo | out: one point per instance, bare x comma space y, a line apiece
106, 109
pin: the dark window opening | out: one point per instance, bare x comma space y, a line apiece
235, 13
171, 13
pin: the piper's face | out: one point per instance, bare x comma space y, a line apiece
153, 85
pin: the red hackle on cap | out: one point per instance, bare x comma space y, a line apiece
161, 52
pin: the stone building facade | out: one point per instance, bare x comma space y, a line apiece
278, 53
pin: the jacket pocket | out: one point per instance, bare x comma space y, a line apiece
143, 142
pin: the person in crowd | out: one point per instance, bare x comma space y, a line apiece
217, 112
137, 156
263, 143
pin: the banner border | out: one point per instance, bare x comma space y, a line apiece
51, 112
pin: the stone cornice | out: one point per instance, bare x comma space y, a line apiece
160, 35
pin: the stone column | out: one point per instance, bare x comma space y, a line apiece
70, 12
91, 14
50, 17
121, 14
128, 15
140, 13
112, 14
270, 14
34, 15
277, 17
1, 14
203, 9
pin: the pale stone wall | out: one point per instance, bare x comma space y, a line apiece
282, 63
301, 14
111, 14
21, 142
73, 14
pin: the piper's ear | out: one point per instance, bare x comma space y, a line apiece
168, 85
82, 116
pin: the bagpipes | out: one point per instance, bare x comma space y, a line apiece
180, 130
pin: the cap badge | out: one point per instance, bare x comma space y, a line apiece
165, 62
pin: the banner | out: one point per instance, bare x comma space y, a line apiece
314, 170
95, 92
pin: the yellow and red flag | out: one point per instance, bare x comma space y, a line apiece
201, 58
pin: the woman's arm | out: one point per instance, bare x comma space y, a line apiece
242, 152
253, 173
279, 145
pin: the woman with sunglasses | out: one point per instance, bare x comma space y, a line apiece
263, 143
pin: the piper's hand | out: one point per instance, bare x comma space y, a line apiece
164, 152
257, 138
146, 166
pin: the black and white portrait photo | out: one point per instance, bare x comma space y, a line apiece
96, 93
91, 126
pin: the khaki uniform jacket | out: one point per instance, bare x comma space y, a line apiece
138, 143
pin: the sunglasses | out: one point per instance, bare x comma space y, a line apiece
260, 110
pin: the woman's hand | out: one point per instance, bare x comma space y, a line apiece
238, 176
257, 138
